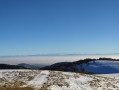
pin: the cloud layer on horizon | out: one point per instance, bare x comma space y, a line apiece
47, 60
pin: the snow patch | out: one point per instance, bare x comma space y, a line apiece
39, 80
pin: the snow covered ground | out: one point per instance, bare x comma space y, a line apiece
115, 76
101, 67
39, 80
56, 80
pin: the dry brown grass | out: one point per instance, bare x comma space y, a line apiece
30, 78
16, 88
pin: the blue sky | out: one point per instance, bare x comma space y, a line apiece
29, 27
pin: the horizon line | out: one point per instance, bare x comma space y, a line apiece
57, 55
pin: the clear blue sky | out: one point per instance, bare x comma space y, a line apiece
29, 27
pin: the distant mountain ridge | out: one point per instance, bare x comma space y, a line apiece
30, 66
58, 55
7, 66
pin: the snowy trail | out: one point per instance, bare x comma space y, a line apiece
39, 80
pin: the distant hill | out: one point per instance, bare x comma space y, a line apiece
7, 66
34, 66
92, 66
61, 63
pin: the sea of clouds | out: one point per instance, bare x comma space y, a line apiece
47, 60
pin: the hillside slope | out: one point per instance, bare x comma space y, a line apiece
100, 67
55, 80
92, 66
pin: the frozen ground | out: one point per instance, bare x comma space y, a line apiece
55, 80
